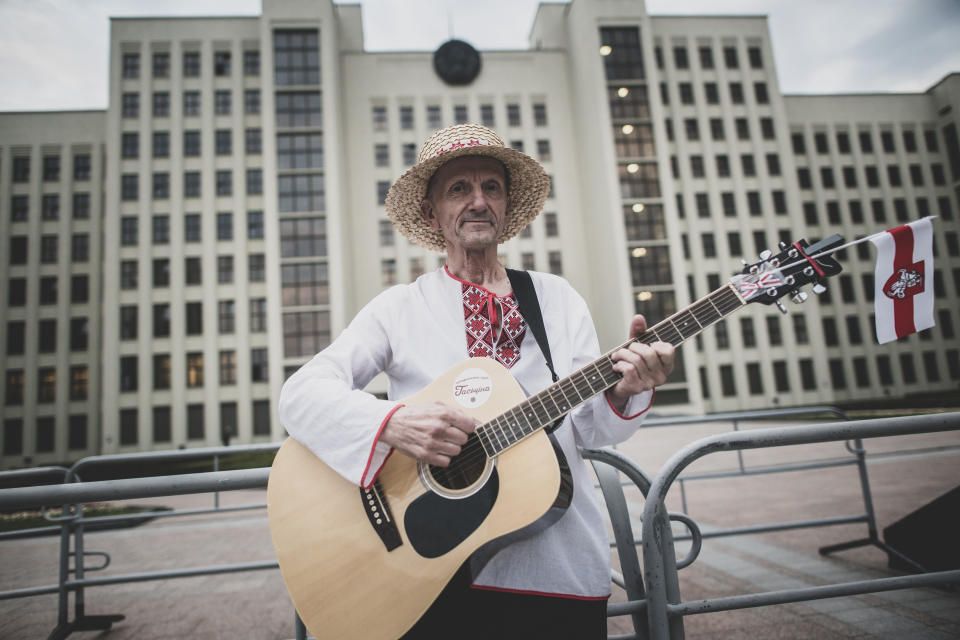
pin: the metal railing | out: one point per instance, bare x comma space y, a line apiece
854, 446
664, 608
72, 523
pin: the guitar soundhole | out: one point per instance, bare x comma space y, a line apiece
465, 469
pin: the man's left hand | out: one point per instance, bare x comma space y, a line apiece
643, 366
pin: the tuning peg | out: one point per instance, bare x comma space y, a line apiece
780, 306
799, 297
783, 245
819, 288
765, 254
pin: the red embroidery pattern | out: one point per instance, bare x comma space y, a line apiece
479, 315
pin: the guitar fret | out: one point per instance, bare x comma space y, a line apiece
498, 432
508, 430
484, 439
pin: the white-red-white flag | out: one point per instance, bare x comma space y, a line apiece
903, 282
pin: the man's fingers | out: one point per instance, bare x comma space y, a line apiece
638, 324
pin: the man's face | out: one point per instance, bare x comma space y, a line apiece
467, 202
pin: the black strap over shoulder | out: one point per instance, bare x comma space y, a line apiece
522, 285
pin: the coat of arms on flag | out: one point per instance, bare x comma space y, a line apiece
903, 282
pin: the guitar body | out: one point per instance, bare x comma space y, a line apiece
344, 581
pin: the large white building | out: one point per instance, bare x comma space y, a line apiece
173, 258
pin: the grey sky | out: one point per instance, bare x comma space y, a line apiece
54, 53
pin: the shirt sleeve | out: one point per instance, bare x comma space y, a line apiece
596, 423
323, 407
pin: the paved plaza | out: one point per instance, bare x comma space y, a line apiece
905, 473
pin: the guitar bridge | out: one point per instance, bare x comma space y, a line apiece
381, 518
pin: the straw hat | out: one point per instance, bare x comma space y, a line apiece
529, 183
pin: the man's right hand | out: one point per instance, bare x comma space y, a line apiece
432, 433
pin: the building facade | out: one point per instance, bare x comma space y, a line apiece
226, 212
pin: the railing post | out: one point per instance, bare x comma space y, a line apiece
216, 494
301, 628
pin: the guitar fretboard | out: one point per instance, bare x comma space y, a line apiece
562, 397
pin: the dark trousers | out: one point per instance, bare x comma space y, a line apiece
464, 613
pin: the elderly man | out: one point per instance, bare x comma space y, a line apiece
467, 194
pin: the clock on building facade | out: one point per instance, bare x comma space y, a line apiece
456, 62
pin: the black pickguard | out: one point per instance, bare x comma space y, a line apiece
435, 524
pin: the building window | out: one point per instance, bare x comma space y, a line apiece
161, 144
686, 93
161, 424
221, 63
680, 59
130, 145
221, 103
193, 271
256, 268
754, 379
226, 323
386, 233
381, 155
129, 187
128, 274
254, 182
252, 142
255, 225
258, 315
730, 57
224, 269
78, 383
191, 103
223, 142
756, 57
434, 119
710, 92
296, 57
258, 365
50, 207
760, 93
161, 320
228, 421
302, 109
406, 117
128, 322
706, 57
194, 370
379, 115
47, 335
251, 101
191, 184
460, 114
51, 168
305, 332
513, 115
228, 367
191, 227
301, 193
555, 262
195, 422
130, 65
81, 167
46, 385
300, 151
161, 104
736, 93
388, 272
251, 63
194, 316
303, 237
224, 180
191, 144
79, 289
49, 249
16, 334
728, 386
191, 64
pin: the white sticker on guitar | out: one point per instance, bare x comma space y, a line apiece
472, 387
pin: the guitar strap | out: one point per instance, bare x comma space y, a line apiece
529, 306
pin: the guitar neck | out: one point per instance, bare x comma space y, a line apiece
565, 395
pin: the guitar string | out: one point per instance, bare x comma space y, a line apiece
714, 306
473, 451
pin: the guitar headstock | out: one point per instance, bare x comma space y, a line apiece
775, 276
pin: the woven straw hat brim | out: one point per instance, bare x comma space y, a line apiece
529, 186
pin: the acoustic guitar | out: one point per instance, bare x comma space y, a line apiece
367, 563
